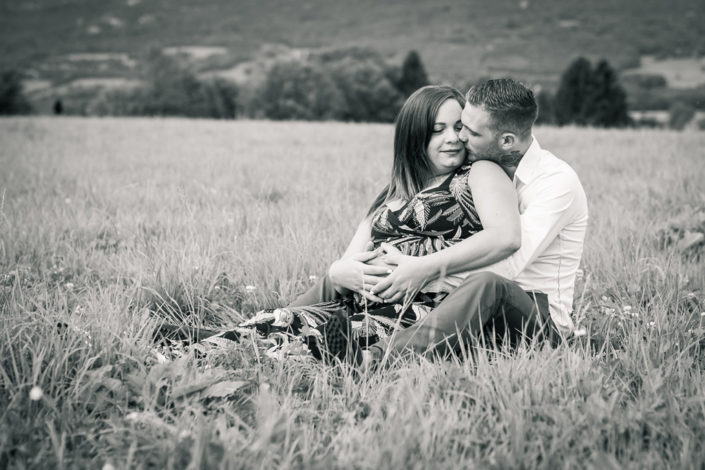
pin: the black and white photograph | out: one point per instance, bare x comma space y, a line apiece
323, 234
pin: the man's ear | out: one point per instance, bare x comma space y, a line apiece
507, 141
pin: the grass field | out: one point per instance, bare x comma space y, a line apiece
106, 224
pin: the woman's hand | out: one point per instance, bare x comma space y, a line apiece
408, 277
353, 273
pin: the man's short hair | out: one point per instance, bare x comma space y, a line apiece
511, 105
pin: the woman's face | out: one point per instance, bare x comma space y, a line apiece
445, 151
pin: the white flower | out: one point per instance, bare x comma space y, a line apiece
250, 288
67, 200
579, 332
312, 277
36, 393
627, 308
652, 323
702, 314
69, 285
108, 466
132, 416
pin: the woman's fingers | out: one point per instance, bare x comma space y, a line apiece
372, 297
374, 270
370, 281
382, 286
396, 298
364, 256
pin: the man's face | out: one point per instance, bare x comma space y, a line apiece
480, 140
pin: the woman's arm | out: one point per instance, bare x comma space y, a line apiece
498, 208
350, 272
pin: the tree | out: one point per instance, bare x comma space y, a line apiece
413, 74
593, 97
545, 101
577, 82
12, 98
606, 102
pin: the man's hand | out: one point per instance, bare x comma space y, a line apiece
409, 276
356, 275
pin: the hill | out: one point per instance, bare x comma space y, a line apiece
458, 40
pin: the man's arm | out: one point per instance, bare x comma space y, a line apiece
548, 212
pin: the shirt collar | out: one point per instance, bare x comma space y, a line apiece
526, 170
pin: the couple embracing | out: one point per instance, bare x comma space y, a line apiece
479, 232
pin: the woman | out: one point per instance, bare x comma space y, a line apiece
435, 200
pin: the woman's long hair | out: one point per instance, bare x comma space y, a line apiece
412, 133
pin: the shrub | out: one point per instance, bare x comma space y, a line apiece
364, 79
296, 90
352, 84
680, 114
170, 90
12, 98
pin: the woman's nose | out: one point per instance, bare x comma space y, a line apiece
452, 135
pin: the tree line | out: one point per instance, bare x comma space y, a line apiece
353, 84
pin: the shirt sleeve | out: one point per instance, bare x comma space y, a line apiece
549, 208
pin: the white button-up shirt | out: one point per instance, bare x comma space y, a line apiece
554, 214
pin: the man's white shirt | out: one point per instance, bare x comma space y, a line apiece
554, 214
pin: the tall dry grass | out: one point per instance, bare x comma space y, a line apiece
105, 223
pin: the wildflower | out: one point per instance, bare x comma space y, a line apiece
702, 314
250, 288
184, 434
604, 298
579, 332
68, 285
36, 393
627, 308
132, 416
691, 295
652, 324
579, 274
312, 277
108, 466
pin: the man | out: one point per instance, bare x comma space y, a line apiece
532, 290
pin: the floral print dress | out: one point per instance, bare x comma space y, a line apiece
434, 219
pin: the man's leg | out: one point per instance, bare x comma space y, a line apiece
322, 291
483, 299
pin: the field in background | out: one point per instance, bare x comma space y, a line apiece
105, 223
